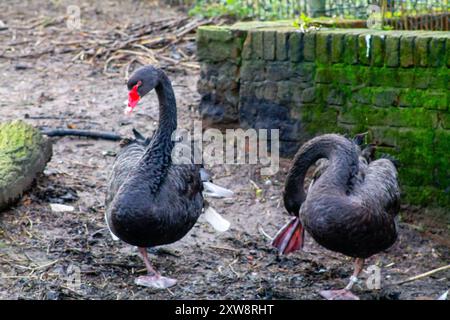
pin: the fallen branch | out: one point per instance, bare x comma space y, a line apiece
423, 275
81, 133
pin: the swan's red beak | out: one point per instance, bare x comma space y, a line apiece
290, 237
133, 99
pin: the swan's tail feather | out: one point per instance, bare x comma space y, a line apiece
216, 220
290, 237
215, 191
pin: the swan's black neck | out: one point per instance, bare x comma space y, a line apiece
343, 166
157, 157
167, 107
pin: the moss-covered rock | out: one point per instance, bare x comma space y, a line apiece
24, 153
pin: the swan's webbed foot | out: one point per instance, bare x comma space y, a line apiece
155, 281
346, 294
342, 294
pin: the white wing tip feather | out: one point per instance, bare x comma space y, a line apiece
216, 191
216, 220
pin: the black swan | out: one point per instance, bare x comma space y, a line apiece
151, 201
349, 208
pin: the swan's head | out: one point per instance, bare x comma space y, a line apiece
141, 82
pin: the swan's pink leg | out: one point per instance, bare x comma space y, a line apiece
153, 278
345, 294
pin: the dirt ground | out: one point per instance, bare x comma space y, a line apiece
42, 251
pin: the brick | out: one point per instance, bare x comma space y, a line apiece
437, 52
323, 44
407, 51
269, 45
422, 78
304, 72
309, 46
296, 47
277, 71
435, 100
285, 92
282, 42
378, 50
253, 70
392, 58
363, 49
385, 97
351, 48
337, 48
257, 44
421, 51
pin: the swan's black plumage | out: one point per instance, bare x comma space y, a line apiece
351, 206
151, 201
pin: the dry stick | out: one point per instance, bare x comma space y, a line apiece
28, 55
423, 275
44, 22
81, 133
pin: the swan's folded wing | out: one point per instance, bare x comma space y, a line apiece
126, 160
381, 183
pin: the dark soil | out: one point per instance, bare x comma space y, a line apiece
41, 251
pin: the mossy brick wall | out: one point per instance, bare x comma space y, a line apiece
393, 84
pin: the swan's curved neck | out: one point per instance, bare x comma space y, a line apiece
157, 157
343, 166
167, 107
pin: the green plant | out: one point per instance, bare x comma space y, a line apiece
302, 22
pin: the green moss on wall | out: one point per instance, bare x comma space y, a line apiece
393, 84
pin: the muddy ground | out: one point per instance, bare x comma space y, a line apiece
42, 251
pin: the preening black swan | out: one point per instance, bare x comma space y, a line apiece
350, 208
150, 200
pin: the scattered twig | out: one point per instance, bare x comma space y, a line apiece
224, 248
261, 230
231, 267
423, 275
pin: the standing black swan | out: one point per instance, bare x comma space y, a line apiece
151, 201
350, 208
